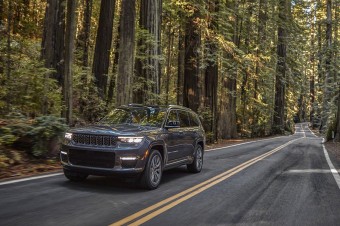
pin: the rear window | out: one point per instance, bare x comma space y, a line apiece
194, 121
183, 119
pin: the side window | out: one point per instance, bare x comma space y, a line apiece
193, 119
183, 119
172, 116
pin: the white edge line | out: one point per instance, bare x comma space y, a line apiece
312, 132
30, 178
255, 141
330, 164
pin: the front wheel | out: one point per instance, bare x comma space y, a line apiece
152, 174
197, 164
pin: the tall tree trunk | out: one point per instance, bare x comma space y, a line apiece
191, 67
313, 72
52, 50
1, 35
327, 91
181, 62
168, 61
211, 72
112, 84
52, 45
261, 41
59, 37
126, 53
149, 68
69, 55
47, 48
246, 73
227, 124
227, 127
84, 36
336, 64
279, 107
101, 58
1, 12
9, 50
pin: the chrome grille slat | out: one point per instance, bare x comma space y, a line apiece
94, 140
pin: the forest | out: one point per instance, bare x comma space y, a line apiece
250, 68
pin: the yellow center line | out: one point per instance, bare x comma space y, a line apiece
193, 191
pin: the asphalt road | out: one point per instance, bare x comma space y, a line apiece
281, 181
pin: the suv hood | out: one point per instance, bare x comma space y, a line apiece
116, 130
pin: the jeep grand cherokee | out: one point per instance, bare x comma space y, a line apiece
135, 140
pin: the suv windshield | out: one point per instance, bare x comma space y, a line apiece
139, 116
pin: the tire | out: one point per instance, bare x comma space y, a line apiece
152, 174
197, 164
74, 176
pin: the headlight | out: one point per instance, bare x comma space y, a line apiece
68, 136
130, 140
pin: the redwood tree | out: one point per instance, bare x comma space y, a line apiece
69, 55
191, 61
126, 53
279, 106
52, 50
101, 58
148, 67
211, 71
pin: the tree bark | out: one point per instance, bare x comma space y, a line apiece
84, 36
1, 13
114, 70
181, 62
168, 60
246, 74
9, 50
312, 62
126, 53
211, 72
279, 107
327, 90
149, 69
191, 65
336, 66
261, 42
227, 127
69, 55
101, 58
52, 50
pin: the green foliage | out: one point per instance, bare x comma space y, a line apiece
39, 132
206, 117
9, 157
331, 128
29, 88
44, 129
6, 136
88, 106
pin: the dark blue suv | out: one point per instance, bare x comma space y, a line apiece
135, 140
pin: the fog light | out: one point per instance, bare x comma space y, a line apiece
128, 158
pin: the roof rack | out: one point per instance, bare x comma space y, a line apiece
178, 106
135, 105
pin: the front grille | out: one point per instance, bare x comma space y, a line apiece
90, 158
94, 140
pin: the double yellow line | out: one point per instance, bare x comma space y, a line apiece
162, 206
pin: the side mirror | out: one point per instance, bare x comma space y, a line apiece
172, 124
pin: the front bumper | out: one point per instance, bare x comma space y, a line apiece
85, 159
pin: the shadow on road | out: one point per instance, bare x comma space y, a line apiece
98, 184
